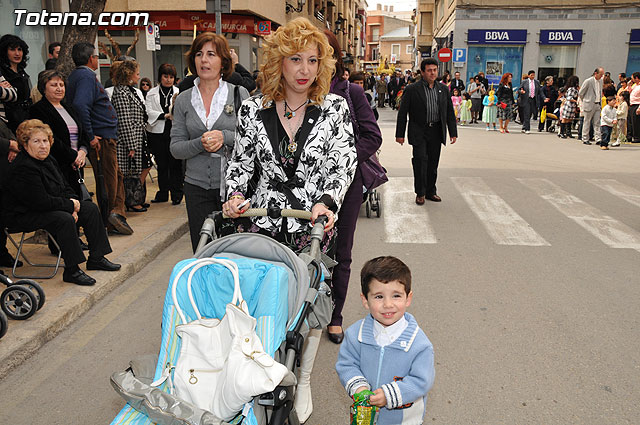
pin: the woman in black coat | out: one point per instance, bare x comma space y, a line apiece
71, 143
13, 61
40, 198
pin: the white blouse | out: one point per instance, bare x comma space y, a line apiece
217, 103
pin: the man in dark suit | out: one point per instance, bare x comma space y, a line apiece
456, 83
395, 85
430, 110
529, 99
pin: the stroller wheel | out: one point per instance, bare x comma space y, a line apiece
18, 302
367, 207
378, 209
4, 324
35, 288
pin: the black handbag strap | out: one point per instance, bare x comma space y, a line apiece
237, 101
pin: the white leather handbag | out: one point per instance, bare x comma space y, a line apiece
222, 363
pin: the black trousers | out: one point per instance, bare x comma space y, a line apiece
200, 203
3, 237
528, 109
426, 156
63, 226
170, 171
635, 123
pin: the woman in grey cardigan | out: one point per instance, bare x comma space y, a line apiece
204, 123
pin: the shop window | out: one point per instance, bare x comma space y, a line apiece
557, 61
633, 60
495, 61
172, 54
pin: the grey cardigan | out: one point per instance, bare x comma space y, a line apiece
203, 169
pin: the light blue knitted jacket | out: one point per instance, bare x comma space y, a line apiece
404, 369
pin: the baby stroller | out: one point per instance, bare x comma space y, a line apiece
19, 301
286, 295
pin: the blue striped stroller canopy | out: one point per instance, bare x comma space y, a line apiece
273, 285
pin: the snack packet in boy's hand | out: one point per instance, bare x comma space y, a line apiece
362, 413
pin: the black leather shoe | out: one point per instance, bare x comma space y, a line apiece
83, 245
79, 278
434, 198
102, 264
8, 260
146, 205
120, 224
160, 198
336, 338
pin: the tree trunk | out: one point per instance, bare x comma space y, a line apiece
76, 34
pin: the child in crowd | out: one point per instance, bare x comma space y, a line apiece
608, 118
387, 352
456, 99
465, 109
490, 112
622, 111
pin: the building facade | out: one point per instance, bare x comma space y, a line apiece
558, 40
387, 30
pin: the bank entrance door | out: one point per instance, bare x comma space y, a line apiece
558, 61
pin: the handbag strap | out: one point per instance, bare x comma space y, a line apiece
352, 112
196, 265
237, 100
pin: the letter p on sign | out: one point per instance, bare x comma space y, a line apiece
460, 55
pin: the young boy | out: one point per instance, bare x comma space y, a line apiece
608, 118
387, 352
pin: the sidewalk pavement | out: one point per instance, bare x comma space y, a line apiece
154, 230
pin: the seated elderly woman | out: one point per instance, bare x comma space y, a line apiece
40, 198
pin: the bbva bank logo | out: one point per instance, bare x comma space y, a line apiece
496, 35
560, 36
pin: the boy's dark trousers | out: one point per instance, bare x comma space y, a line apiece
605, 135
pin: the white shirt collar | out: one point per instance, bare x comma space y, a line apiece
386, 335
217, 103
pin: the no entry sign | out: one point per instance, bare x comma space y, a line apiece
444, 54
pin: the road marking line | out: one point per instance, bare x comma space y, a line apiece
618, 189
503, 224
404, 221
609, 230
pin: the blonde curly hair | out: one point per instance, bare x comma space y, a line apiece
122, 72
28, 128
296, 36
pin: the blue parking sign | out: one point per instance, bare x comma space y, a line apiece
460, 55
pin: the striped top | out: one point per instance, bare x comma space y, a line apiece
6, 95
433, 113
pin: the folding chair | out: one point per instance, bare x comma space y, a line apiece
21, 253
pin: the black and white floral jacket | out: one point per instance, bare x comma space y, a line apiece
326, 166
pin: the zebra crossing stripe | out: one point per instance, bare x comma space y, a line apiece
618, 189
609, 230
503, 224
404, 221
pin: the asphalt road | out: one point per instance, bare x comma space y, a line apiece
526, 279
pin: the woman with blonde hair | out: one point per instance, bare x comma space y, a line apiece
40, 198
133, 155
299, 140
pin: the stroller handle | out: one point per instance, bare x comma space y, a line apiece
275, 213
207, 231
